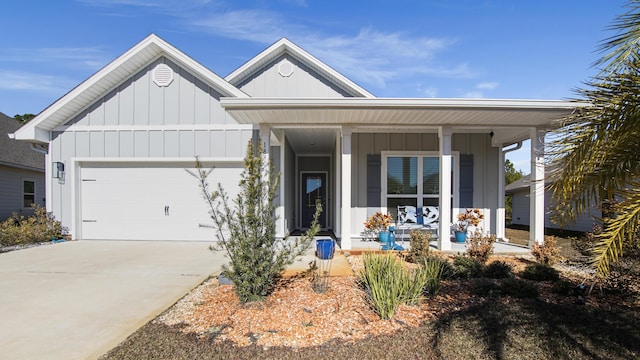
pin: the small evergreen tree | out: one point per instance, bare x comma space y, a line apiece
246, 227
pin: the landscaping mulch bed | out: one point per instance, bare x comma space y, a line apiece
295, 322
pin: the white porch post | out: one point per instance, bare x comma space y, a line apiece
265, 137
500, 213
281, 222
536, 196
345, 187
444, 240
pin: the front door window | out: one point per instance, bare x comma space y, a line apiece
314, 190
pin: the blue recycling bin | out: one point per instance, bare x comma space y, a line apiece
325, 248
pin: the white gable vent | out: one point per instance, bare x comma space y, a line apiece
285, 68
162, 75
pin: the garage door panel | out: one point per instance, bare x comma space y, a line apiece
148, 203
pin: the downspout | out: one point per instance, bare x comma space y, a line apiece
517, 147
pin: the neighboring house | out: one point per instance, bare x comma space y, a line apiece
520, 189
126, 134
21, 172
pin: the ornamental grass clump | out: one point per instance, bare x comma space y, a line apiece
383, 277
435, 269
388, 283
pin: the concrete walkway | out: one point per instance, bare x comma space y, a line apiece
77, 300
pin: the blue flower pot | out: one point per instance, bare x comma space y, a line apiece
384, 237
461, 236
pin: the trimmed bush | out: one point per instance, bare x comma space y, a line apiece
519, 288
480, 245
547, 253
485, 287
40, 227
540, 272
564, 288
419, 243
498, 270
466, 267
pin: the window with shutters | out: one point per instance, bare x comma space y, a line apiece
414, 179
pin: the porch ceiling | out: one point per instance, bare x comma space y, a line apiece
399, 112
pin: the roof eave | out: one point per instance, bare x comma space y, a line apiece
108, 77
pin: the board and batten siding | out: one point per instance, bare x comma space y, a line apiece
142, 121
11, 195
474, 147
301, 82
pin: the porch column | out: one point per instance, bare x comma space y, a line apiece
500, 213
444, 240
282, 227
265, 137
345, 187
536, 195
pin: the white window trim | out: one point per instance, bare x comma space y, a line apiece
24, 193
383, 175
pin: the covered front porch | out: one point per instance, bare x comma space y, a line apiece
444, 153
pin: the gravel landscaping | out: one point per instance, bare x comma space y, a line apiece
297, 323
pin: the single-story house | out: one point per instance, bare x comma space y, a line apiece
125, 135
520, 209
21, 172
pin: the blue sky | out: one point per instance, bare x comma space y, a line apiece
445, 48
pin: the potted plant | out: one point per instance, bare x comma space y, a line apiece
471, 217
378, 224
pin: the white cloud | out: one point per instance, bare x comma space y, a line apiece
474, 94
88, 58
487, 85
369, 56
26, 81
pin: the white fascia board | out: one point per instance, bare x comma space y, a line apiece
284, 45
32, 134
265, 103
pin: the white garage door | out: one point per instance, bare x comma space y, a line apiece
151, 202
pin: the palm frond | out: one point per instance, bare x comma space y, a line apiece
620, 229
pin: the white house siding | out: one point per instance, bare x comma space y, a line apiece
520, 208
139, 121
303, 82
11, 190
520, 214
485, 168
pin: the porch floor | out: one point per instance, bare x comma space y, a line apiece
499, 248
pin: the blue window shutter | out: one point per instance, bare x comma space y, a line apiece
466, 181
374, 188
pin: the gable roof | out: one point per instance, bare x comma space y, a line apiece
285, 46
110, 76
17, 153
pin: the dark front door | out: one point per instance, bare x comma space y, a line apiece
314, 190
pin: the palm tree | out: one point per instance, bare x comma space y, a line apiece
595, 151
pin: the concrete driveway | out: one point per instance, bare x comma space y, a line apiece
77, 300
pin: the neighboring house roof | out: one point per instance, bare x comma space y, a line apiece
109, 77
518, 185
284, 46
17, 153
